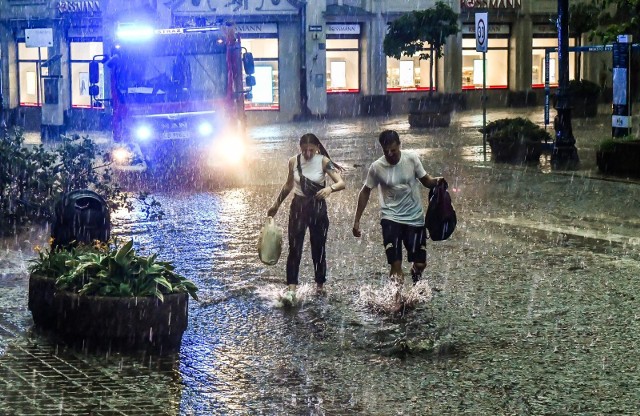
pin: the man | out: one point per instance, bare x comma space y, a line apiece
397, 175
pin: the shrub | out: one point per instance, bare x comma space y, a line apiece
516, 129
110, 270
33, 178
583, 89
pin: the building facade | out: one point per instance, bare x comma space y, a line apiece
313, 58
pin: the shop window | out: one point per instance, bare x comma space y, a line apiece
538, 67
343, 67
81, 54
409, 73
497, 64
266, 92
30, 72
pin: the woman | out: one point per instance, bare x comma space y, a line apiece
307, 172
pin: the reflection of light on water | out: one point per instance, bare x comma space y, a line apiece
233, 206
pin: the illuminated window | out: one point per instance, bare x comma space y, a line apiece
537, 60
343, 64
497, 64
266, 92
29, 73
409, 73
81, 54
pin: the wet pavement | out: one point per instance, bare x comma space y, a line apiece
533, 305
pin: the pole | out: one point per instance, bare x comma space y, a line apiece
484, 105
3, 124
565, 154
621, 108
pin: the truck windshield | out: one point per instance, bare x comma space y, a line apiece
172, 68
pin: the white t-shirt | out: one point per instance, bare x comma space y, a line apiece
399, 188
311, 169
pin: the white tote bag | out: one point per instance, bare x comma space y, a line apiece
270, 242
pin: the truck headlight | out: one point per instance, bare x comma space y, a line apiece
122, 156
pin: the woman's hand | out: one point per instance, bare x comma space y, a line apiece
324, 193
271, 212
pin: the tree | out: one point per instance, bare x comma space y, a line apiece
583, 18
408, 34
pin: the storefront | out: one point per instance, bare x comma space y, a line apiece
321, 58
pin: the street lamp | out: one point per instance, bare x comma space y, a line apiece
564, 152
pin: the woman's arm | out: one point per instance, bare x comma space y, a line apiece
284, 192
335, 176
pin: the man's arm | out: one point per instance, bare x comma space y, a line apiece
363, 200
429, 181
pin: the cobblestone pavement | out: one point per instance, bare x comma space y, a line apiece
41, 378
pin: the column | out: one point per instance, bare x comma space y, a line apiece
316, 59
520, 57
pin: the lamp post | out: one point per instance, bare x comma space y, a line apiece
564, 152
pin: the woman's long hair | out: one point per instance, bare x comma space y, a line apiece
311, 138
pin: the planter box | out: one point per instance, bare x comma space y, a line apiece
109, 323
623, 158
430, 111
514, 150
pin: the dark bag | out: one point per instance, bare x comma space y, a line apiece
309, 187
440, 219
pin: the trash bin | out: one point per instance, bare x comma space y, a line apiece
81, 216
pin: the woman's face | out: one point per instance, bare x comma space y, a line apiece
308, 150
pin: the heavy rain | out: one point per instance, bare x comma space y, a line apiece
142, 292
528, 308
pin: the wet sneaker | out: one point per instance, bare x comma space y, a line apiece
289, 298
320, 290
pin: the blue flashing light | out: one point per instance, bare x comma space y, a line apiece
143, 133
131, 32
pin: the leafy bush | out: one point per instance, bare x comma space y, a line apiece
33, 178
110, 270
609, 144
583, 89
516, 129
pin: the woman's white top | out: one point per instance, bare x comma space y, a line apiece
311, 168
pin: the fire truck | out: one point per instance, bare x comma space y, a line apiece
177, 96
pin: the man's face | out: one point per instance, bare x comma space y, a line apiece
392, 153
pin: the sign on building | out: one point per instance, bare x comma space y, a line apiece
38, 38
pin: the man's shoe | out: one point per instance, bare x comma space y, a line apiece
415, 276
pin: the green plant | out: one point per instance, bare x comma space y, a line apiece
408, 34
111, 270
32, 179
516, 129
609, 144
583, 89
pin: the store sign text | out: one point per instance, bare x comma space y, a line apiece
491, 4
88, 6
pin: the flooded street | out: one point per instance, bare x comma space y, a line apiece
532, 307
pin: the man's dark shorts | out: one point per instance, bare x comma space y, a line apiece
414, 239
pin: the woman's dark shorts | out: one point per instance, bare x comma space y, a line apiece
414, 239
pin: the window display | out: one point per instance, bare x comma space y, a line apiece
497, 64
29, 72
82, 53
266, 94
408, 73
343, 67
538, 70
